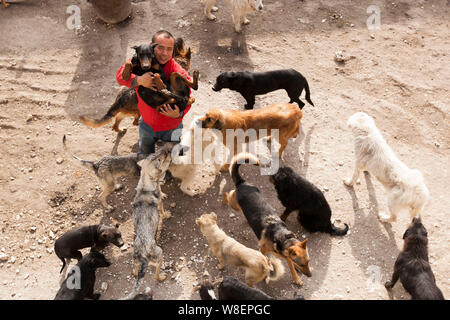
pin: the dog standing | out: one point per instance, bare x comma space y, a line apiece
96, 236
108, 169
297, 193
148, 213
405, 187
412, 266
86, 281
250, 84
228, 251
272, 233
239, 11
283, 117
126, 103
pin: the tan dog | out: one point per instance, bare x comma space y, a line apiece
284, 117
228, 251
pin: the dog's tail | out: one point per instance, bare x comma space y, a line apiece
239, 159
308, 98
64, 264
86, 163
140, 276
335, 231
277, 268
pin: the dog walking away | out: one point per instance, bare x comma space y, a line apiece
80, 283
239, 10
126, 102
108, 169
405, 187
227, 250
272, 233
96, 236
412, 266
297, 193
251, 84
148, 214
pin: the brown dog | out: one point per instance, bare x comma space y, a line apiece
126, 103
6, 5
284, 117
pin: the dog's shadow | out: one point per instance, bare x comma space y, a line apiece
374, 250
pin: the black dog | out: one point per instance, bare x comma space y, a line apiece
250, 84
412, 266
232, 289
96, 236
297, 193
175, 91
83, 286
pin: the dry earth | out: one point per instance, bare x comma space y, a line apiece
50, 75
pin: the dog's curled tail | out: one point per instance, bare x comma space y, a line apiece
334, 231
278, 268
86, 163
308, 98
239, 159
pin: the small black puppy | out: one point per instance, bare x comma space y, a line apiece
96, 236
81, 284
250, 84
412, 266
297, 193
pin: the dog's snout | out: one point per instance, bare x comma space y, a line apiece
260, 7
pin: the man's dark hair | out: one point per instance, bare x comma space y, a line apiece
166, 34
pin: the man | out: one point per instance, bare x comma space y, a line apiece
166, 124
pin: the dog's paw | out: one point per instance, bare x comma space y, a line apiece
246, 21
211, 17
298, 282
220, 266
385, 218
118, 186
162, 276
214, 9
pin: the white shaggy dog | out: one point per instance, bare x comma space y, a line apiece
239, 10
406, 188
195, 177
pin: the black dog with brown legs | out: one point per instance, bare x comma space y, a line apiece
412, 266
297, 193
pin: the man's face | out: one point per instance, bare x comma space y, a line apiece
164, 49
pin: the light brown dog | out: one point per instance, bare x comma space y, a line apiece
6, 5
257, 266
284, 117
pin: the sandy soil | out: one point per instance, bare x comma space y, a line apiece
50, 75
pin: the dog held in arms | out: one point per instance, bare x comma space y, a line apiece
239, 10
148, 213
126, 102
227, 250
272, 233
412, 266
250, 84
108, 169
405, 187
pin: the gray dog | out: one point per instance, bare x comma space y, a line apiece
108, 169
148, 213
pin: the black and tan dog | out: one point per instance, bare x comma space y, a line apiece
83, 287
126, 103
96, 236
251, 84
272, 233
297, 193
412, 266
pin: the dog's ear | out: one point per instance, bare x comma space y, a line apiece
406, 234
303, 243
188, 54
214, 216
197, 221
135, 48
218, 124
140, 163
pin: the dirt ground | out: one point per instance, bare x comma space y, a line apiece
49, 75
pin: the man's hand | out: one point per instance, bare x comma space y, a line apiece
169, 112
146, 80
